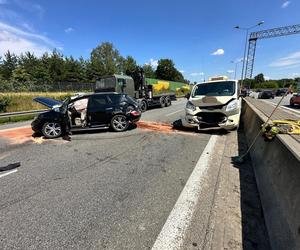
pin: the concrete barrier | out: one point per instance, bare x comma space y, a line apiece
277, 172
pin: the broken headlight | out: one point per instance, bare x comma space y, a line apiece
233, 105
191, 106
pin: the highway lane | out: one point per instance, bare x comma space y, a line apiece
285, 104
102, 190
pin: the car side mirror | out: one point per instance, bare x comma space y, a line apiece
188, 95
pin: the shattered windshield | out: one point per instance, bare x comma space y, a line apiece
226, 88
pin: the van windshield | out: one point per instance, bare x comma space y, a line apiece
215, 89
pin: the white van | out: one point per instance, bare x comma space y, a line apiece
214, 103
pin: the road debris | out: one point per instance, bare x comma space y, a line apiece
10, 166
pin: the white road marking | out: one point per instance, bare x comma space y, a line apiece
173, 113
290, 110
173, 232
10, 172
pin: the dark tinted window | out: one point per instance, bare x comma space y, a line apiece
113, 98
215, 89
98, 100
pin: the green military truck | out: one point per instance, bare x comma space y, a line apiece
135, 86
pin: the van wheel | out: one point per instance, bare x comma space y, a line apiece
143, 106
162, 102
119, 123
51, 130
168, 101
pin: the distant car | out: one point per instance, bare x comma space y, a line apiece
103, 111
266, 94
281, 92
295, 100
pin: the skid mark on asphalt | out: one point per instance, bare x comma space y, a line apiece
20, 135
161, 128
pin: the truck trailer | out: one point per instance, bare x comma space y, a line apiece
135, 86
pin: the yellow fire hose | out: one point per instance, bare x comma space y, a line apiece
288, 126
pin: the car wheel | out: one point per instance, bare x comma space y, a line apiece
143, 106
51, 130
162, 102
119, 123
168, 101
292, 104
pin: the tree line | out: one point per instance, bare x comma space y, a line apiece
29, 72
259, 82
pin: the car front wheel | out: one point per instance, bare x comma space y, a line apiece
51, 130
119, 123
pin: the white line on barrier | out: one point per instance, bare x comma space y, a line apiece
10, 172
173, 232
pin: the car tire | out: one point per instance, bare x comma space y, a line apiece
119, 123
292, 104
51, 130
162, 102
143, 106
168, 101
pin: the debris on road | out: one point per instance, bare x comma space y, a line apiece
161, 127
10, 166
20, 135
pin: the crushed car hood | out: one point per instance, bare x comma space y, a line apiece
211, 101
48, 102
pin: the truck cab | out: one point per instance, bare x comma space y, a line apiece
216, 103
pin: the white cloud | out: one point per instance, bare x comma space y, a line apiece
17, 41
153, 63
28, 27
230, 71
292, 59
197, 74
218, 52
18, 45
267, 78
181, 71
285, 4
68, 30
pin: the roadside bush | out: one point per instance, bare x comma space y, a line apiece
5, 101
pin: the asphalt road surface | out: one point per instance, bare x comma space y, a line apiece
285, 104
102, 190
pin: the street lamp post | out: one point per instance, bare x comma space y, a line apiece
245, 50
235, 67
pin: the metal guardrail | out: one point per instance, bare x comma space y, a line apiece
21, 113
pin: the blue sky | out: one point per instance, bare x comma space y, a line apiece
189, 32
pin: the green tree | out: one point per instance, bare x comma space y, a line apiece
72, 70
259, 78
56, 67
105, 60
149, 71
29, 63
8, 65
129, 65
166, 71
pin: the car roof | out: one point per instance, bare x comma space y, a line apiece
92, 94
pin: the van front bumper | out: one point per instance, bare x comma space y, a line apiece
216, 119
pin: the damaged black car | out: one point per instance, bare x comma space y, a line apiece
86, 112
